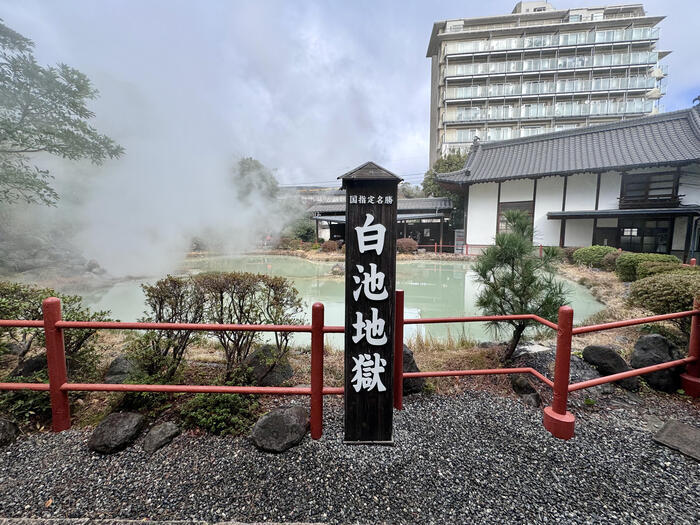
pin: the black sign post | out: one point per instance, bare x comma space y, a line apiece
370, 282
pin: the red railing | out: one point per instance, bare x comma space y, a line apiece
557, 419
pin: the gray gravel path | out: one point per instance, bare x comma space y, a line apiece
472, 458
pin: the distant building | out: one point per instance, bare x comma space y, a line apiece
426, 220
634, 185
539, 70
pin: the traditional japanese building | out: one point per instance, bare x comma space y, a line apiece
633, 184
426, 220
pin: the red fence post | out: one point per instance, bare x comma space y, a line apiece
690, 380
435, 247
693, 261
557, 420
56, 360
317, 370
540, 251
398, 352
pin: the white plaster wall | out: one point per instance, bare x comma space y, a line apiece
548, 198
690, 187
579, 232
481, 213
580, 193
517, 190
609, 191
679, 230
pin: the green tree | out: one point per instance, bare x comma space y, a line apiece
515, 280
446, 164
42, 110
409, 191
252, 176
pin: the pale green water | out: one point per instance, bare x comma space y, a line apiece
432, 289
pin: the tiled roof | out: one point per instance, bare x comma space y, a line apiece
664, 139
426, 203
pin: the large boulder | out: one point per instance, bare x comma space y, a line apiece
652, 350
31, 366
411, 385
119, 370
607, 361
159, 436
280, 429
116, 432
264, 369
8, 432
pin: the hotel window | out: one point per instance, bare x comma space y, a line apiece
652, 190
648, 236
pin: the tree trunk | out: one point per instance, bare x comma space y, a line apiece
517, 334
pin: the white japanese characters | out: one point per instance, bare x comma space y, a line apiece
370, 236
367, 371
370, 283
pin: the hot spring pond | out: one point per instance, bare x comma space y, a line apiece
432, 289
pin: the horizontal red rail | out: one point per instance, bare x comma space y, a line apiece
197, 389
632, 322
25, 386
482, 318
21, 324
116, 325
485, 371
630, 373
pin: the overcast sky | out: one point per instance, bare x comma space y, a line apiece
310, 89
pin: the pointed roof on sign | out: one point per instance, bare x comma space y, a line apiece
369, 171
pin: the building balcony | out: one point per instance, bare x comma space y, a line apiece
661, 201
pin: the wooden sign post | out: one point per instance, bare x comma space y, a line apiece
370, 283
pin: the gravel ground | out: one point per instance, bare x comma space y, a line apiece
471, 458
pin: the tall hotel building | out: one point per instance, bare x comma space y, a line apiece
540, 69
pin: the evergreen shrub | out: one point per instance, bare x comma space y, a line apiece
592, 255
406, 245
627, 262
329, 246
666, 293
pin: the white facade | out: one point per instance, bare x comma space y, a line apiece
583, 192
539, 70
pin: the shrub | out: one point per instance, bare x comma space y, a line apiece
569, 254
406, 245
609, 261
592, 255
25, 406
626, 264
21, 301
649, 268
329, 246
666, 293
315, 246
302, 229
247, 298
221, 414
169, 300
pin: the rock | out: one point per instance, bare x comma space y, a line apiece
338, 269
261, 364
411, 385
521, 385
8, 432
280, 429
543, 362
31, 366
608, 362
119, 370
532, 399
116, 432
529, 348
655, 349
93, 266
159, 436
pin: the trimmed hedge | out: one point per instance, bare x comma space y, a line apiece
649, 268
329, 246
592, 255
666, 293
627, 262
